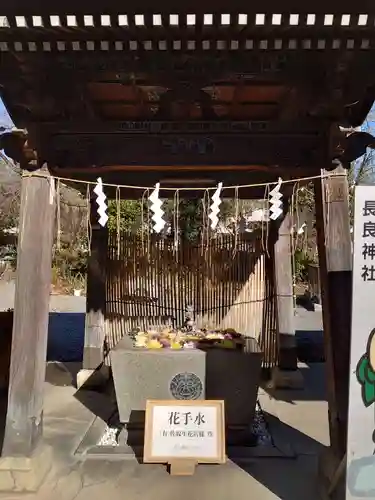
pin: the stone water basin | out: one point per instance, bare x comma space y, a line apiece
140, 374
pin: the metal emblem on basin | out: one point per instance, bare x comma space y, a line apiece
186, 386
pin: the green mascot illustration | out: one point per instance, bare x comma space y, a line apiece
361, 470
366, 372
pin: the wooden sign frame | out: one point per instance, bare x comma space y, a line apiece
184, 465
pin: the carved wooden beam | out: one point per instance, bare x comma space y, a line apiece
273, 169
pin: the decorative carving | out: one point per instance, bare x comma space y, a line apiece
196, 69
180, 145
164, 128
84, 150
186, 94
185, 386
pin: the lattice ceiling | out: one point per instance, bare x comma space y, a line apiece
207, 31
177, 20
214, 45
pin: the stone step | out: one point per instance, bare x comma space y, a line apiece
236, 454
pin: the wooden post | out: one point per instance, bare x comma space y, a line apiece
286, 374
30, 324
93, 355
182, 467
284, 294
335, 262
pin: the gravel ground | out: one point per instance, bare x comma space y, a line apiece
67, 322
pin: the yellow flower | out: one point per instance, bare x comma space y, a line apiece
141, 340
154, 344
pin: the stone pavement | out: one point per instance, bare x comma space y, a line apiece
295, 417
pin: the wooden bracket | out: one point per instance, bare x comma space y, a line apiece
17, 146
182, 467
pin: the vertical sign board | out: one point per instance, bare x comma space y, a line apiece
184, 433
360, 477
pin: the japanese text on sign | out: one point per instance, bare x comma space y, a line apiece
184, 419
368, 244
186, 430
183, 430
360, 479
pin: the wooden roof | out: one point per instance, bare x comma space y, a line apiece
89, 76
127, 60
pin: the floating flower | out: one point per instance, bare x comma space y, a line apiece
175, 345
141, 340
154, 344
189, 345
165, 343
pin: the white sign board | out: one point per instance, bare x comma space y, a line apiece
188, 430
360, 482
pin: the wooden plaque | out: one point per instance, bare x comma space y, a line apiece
185, 433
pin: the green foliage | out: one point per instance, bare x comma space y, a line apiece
302, 261
189, 218
305, 197
68, 282
9, 206
70, 256
130, 214
9, 212
305, 245
70, 260
69, 267
190, 215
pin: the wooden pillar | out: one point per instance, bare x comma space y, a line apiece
335, 262
96, 294
286, 375
31, 310
284, 296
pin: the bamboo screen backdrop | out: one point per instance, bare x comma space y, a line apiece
229, 285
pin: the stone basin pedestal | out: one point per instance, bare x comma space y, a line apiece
141, 374
234, 376
212, 373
